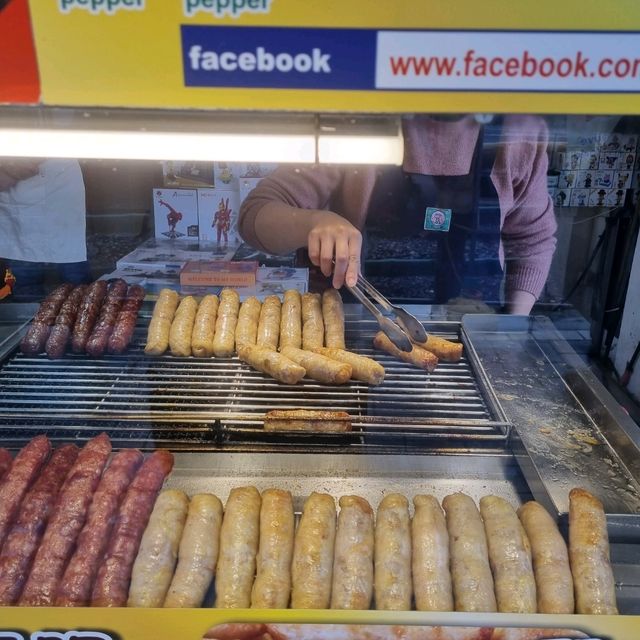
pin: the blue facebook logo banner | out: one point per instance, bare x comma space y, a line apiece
278, 57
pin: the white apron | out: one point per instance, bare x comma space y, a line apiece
42, 219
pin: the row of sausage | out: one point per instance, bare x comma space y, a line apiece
302, 336
71, 521
96, 319
454, 557
220, 326
76, 530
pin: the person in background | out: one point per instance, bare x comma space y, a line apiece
42, 224
464, 182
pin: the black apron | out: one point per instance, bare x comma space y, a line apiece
463, 261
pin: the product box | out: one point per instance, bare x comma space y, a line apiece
175, 214
169, 254
187, 174
226, 175
219, 273
218, 218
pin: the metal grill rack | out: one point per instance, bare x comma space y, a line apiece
189, 402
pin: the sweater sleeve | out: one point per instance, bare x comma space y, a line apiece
529, 224
303, 187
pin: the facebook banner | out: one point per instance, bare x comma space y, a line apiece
278, 57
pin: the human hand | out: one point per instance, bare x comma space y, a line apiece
334, 245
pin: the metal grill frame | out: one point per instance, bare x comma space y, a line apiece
225, 400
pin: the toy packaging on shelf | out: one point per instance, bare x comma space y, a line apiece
175, 214
168, 254
218, 218
187, 174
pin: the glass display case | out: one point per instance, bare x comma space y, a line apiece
281, 362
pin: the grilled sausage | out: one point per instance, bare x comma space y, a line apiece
160, 323
272, 363
35, 339
182, 327
470, 571
554, 584
248, 318
78, 578
269, 323
272, 585
25, 468
333, 318
392, 559
198, 553
352, 585
99, 338
593, 580
5, 461
224, 338
417, 356
111, 586
24, 538
307, 420
444, 350
291, 320
238, 548
66, 522
430, 562
362, 368
313, 549
61, 330
312, 323
125, 325
204, 327
319, 367
87, 315
156, 560
509, 557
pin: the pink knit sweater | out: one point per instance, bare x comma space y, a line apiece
436, 147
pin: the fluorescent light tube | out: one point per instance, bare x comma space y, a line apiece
156, 145
346, 149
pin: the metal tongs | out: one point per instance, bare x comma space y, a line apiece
401, 330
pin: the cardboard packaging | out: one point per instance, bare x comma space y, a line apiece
218, 218
219, 273
175, 214
187, 174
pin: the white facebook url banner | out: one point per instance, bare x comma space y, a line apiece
508, 61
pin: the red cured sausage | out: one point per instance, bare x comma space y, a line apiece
125, 325
23, 539
67, 520
97, 343
16, 481
75, 588
35, 339
5, 461
61, 330
87, 315
114, 575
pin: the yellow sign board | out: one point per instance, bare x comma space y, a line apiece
579, 56
196, 624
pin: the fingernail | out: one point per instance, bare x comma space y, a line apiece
351, 281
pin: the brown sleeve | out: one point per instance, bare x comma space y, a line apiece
345, 191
